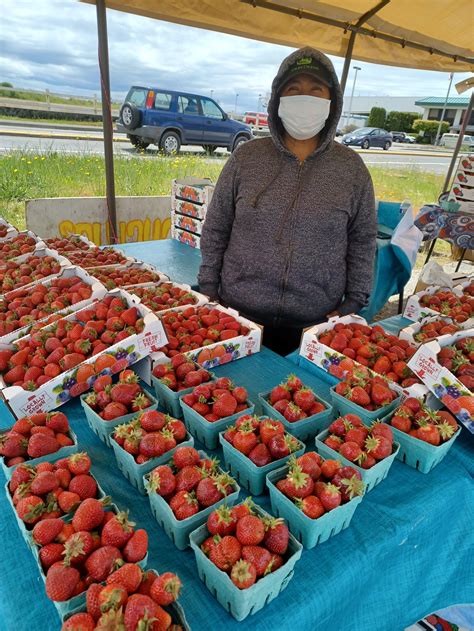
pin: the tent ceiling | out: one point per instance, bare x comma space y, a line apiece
444, 26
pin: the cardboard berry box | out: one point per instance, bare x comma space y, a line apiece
188, 208
188, 238
76, 258
325, 357
193, 189
309, 531
50, 243
441, 381
200, 299
124, 268
65, 386
185, 222
179, 530
409, 332
241, 603
40, 251
416, 312
371, 477
10, 231
24, 233
219, 353
98, 291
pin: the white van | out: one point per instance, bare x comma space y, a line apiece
450, 140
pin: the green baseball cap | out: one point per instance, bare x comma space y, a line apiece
307, 65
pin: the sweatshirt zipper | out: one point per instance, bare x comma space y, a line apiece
289, 251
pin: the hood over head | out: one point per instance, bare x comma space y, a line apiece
329, 75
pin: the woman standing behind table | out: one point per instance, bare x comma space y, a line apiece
289, 237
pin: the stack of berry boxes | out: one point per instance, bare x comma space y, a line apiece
190, 200
462, 190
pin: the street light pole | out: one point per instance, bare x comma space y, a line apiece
212, 92
451, 75
356, 68
235, 106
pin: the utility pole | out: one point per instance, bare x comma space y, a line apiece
356, 68
451, 75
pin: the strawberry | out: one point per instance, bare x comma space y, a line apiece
225, 405
101, 562
293, 413
68, 501
185, 456
210, 490
140, 609
128, 575
50, 554
351, 450
13, 444
381, 395
92, 599
258, 556
114, 410
310, 463
136, 547
82, 621
89, 514
152, 420
243, 574
162, 480
311, 506
429, 434
276, 535
79, 463
359, 396
112, 597
260, 455
117, 531
41, 445
298, 484
378, 447
226, 553
270, 428
165, 589
250, 530
278, 393
30, 509
330, 496
245, 440
61, 582
43, 483
78, 547
47, 530
304, 398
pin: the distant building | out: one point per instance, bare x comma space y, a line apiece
455, 110
361, 106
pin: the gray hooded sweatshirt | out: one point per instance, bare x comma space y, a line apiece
286, 242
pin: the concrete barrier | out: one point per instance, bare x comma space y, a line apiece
139, 218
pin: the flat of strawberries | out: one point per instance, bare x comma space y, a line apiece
244, 544
97, 256
124, 276
370, 393
364, 446
263, 440
448, 303
88, 549
435, 328
130, 599
51, 490
294, 400
458, 358
14, 274
189, 483
35, 436
373, 347
24, 307
114, 400
180, 373
3, 230
65, 344
164, 296
150, 435
431, 426
65, 245
19, 245
218, 399
196, 327
318, 486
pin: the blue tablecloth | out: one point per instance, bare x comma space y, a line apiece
181, 263
405, 554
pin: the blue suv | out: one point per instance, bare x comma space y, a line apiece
171, 119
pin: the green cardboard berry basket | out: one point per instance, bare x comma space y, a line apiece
175, 611
169, 399
64, 452
371, 477
206, 432
134, 472
241, 603
417, 453
306, 428
349, 407
309, 531
246, 472
105, 429
179, 530
26, 533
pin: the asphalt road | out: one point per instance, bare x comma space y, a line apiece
37, 140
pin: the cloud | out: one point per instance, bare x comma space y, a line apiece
53, 44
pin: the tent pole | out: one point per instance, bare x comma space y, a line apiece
465, 123
347, 61
107, 118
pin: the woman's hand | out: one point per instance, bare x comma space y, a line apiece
333, 314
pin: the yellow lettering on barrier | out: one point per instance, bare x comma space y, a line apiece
133, 230
66, 228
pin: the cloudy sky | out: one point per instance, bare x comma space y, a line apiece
53, 44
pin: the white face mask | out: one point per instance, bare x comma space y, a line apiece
303, 116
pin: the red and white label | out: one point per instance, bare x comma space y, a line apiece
425, 366
37, 403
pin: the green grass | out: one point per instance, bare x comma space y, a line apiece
25, 175
27, 95
51, 121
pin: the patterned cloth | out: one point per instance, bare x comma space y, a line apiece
455, 227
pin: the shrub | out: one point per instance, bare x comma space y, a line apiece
377, 117
428, 129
